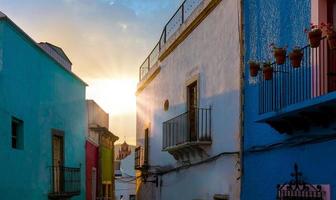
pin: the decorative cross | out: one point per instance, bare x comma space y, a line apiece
297, 175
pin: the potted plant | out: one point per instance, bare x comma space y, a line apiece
254, 68
279, 54
295, 57
331, 35
267, 71
314, 35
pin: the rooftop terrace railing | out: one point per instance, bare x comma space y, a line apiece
175, 22
315, 77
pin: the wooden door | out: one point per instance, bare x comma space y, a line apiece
192, 109
94, 183
57, 160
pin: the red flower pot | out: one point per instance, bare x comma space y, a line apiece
296, 58
254, 69
268, 72
332, 40
280, 55
315, 37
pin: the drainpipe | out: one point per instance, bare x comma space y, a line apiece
242, 90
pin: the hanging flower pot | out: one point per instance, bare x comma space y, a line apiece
254, 68
331, 35
267, 71
314, 35
279, 55
332, 40
296, 57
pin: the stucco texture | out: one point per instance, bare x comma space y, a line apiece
35, 89
211, 55
281, 22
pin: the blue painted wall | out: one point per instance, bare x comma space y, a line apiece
281, 22
35, 89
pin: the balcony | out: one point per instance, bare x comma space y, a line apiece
172, 26
65, 182
139, 158
298, 98
187, 135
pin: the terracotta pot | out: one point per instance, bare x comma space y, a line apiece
332, 40
254, 69
315, 37
280, 55
296, 58
268, 72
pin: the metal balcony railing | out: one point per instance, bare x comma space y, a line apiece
180, 16
139, 158
289, 86
192, 126
65, 181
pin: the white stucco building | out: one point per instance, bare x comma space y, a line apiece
189, 105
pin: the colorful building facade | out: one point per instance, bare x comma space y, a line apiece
42, 107
99, 154
289, 120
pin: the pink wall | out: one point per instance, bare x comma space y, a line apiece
319, 74
91, 162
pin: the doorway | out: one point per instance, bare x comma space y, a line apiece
192, 105
58, 160
94, 182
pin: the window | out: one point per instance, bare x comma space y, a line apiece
17, 133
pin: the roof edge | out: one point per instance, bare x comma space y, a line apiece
5, 17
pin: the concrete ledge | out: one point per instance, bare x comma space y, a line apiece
153, 72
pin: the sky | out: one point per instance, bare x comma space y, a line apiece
106, 40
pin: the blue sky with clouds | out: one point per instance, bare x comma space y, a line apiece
106, 40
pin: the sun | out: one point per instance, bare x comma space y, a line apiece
115, 96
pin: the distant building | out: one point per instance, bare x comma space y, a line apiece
189, 107
124, 151
99, 154
125, 180
42, 128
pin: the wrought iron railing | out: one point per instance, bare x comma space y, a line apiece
191, 126
138, 158
182, 13
65, 181
315, 77
298, 189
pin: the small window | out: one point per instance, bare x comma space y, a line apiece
17, 133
